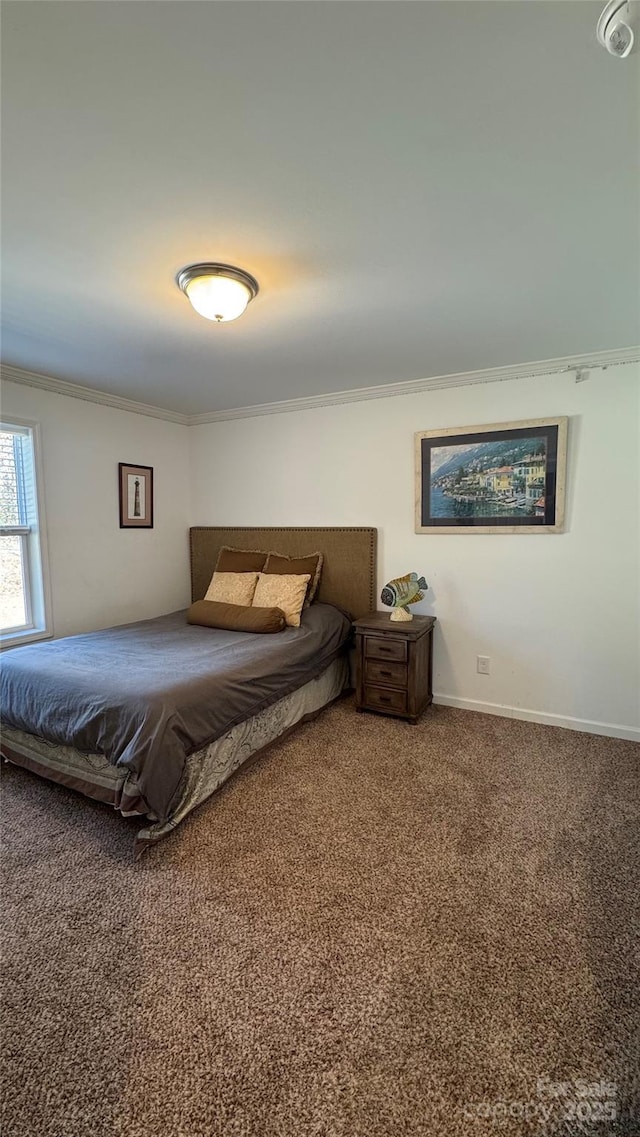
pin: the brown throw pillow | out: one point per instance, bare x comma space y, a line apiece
279, 565
236, 617
239, 560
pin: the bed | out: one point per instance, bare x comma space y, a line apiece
153, 717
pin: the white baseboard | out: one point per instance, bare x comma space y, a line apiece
609, 729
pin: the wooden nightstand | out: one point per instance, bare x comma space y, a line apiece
394, 664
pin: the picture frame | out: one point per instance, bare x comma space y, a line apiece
506, 477
135, 484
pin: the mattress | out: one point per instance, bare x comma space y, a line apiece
206, 769
146, 696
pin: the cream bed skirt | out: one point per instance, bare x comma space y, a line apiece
206, 769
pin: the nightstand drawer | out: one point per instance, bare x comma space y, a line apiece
378, 647
377, 671
386, 700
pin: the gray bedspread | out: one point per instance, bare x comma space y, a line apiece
147, 695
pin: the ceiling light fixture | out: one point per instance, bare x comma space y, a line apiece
613, 32
217, 292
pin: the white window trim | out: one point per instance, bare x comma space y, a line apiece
43, 629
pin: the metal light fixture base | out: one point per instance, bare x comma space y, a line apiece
190, 272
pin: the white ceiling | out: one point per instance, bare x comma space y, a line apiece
421, 188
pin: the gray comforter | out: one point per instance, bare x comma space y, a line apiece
147, 695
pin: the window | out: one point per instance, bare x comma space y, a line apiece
23, 584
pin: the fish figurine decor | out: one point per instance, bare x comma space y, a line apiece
401, 592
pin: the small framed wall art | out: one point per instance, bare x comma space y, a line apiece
507, 477
136, 496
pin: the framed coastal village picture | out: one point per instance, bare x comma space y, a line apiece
136, 496
507, 477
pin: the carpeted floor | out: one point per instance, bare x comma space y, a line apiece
376, 930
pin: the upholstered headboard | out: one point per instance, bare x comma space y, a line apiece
349, 570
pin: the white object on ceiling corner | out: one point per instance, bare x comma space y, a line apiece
614, 30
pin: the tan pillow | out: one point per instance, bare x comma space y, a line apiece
277, 563
232, 587
236, 617
239, 560
286, 592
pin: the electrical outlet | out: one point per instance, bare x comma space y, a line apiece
484, 665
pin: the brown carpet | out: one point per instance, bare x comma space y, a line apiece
375, 930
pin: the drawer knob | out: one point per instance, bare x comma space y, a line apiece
385, 699
387, 673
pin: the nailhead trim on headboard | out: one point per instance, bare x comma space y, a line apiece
349, 571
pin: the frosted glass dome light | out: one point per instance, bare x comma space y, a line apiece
217, 292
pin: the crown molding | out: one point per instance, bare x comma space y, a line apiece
579, 363
88, 394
